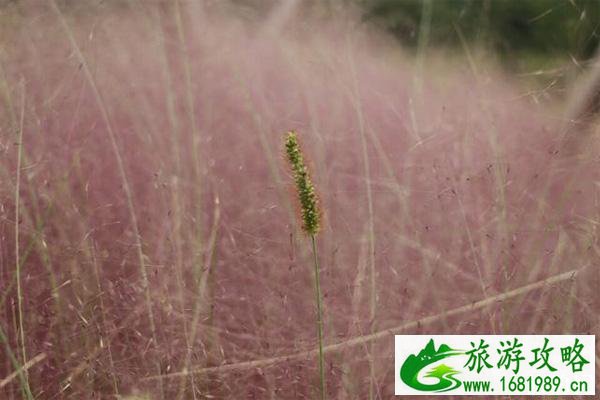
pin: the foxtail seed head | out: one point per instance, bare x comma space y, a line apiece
309, 203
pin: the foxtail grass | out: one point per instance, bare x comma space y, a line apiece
310, 214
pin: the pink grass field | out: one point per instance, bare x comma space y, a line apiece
154, 222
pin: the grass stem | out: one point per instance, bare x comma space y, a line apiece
318, 298
17, 249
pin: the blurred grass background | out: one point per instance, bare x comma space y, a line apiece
187, 119
524, 35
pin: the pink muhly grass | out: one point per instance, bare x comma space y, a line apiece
480, 224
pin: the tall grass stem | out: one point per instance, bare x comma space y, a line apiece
17, 249
318, 298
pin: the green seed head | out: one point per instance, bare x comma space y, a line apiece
309, 203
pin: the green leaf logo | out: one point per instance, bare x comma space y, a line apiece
409, 372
